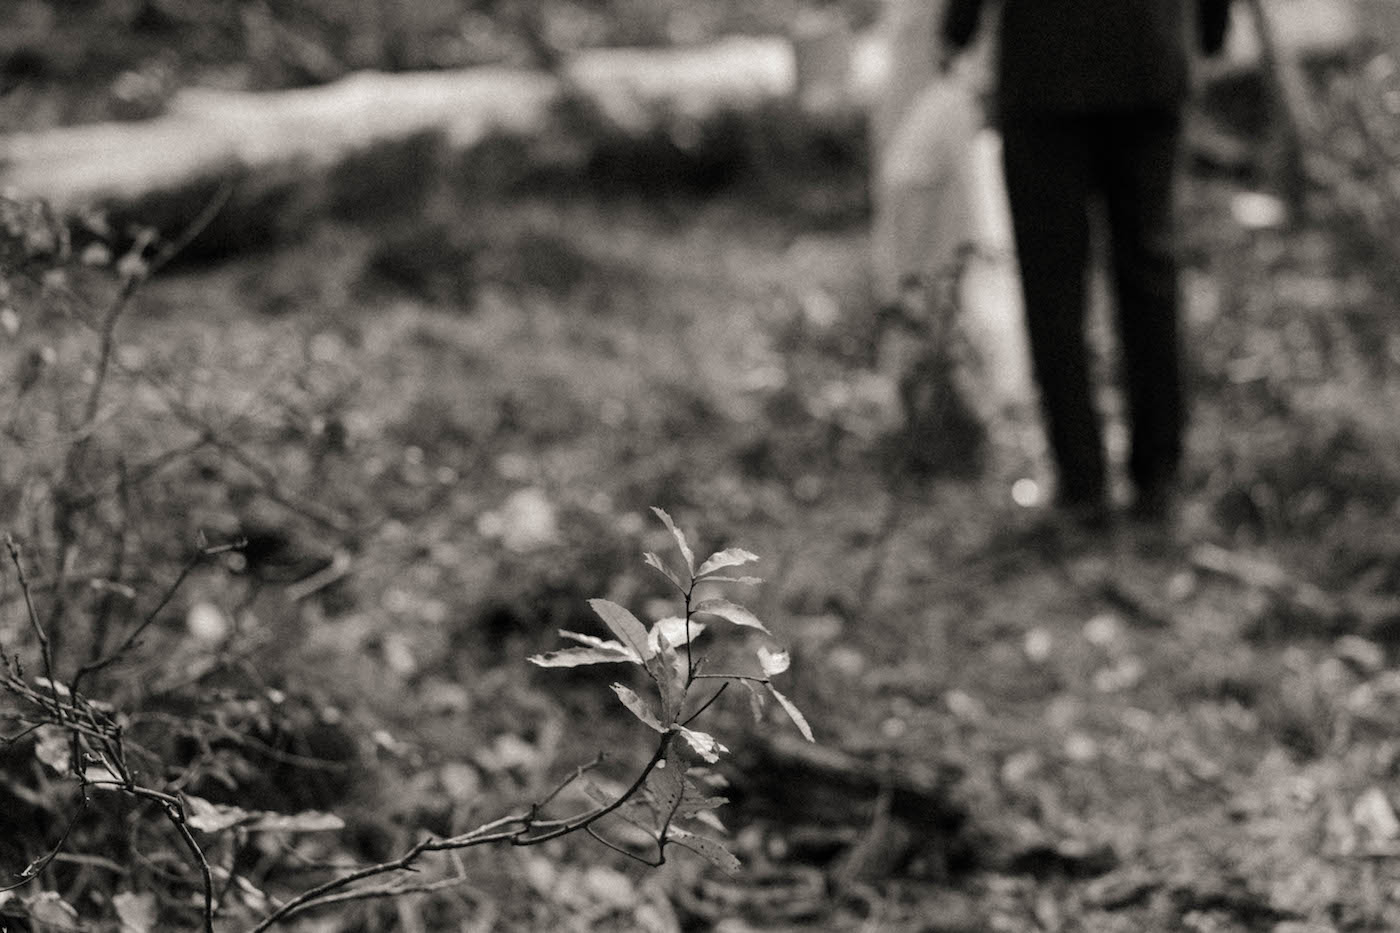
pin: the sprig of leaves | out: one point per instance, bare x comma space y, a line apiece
671, 790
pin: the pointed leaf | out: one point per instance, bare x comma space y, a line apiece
633, 811
709, 819
653, 561
675, 629
638, 706
576, 657
731, 612
692, 807
593, 641
773, 662
704, 744
53, 687
711, 850
627, 627
307, 821
730, 557
686, 552
757, 701
136, 912
593, 792
49, 909
747, 581
250, 895
793, 713
699, 805
55, 748
209, 817
669, 672
666, 782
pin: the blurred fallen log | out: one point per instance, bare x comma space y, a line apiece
269, 141
209, 132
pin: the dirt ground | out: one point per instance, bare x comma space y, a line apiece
1150, 733
466, 409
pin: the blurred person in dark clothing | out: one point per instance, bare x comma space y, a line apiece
1089, 97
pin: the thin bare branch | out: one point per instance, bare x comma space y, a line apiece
176, 814
384, 891
272, 488
33, 869
708, 703
199, 557
574, 776
733, 677
564, 827
108, 327
310, 897
514, 829
657, 863
46, 650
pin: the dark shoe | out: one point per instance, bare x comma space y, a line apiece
1156, 503
1089, 513
1089, 517
1072, 527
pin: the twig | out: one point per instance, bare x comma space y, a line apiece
270, 485
197, 226
660, 850
176, 814
133, 282
575, 776
68, 504
198, 558
689, 635
92, 861
174, 809
732, 677
708, 703
336, 570
71, 725
388, 890
44, 647
138, 474
33, 869
102, 618
309, 898
564, 827
21, 734
241, 738
514, 829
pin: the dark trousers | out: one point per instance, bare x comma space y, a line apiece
1056, 164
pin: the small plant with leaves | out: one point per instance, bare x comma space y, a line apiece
666, 802
681, 690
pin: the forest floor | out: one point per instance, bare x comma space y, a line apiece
474, 403
1150, 736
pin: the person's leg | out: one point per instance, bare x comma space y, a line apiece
1047, 163
1137, 155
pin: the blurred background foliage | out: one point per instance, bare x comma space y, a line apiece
136, 46
471, 381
